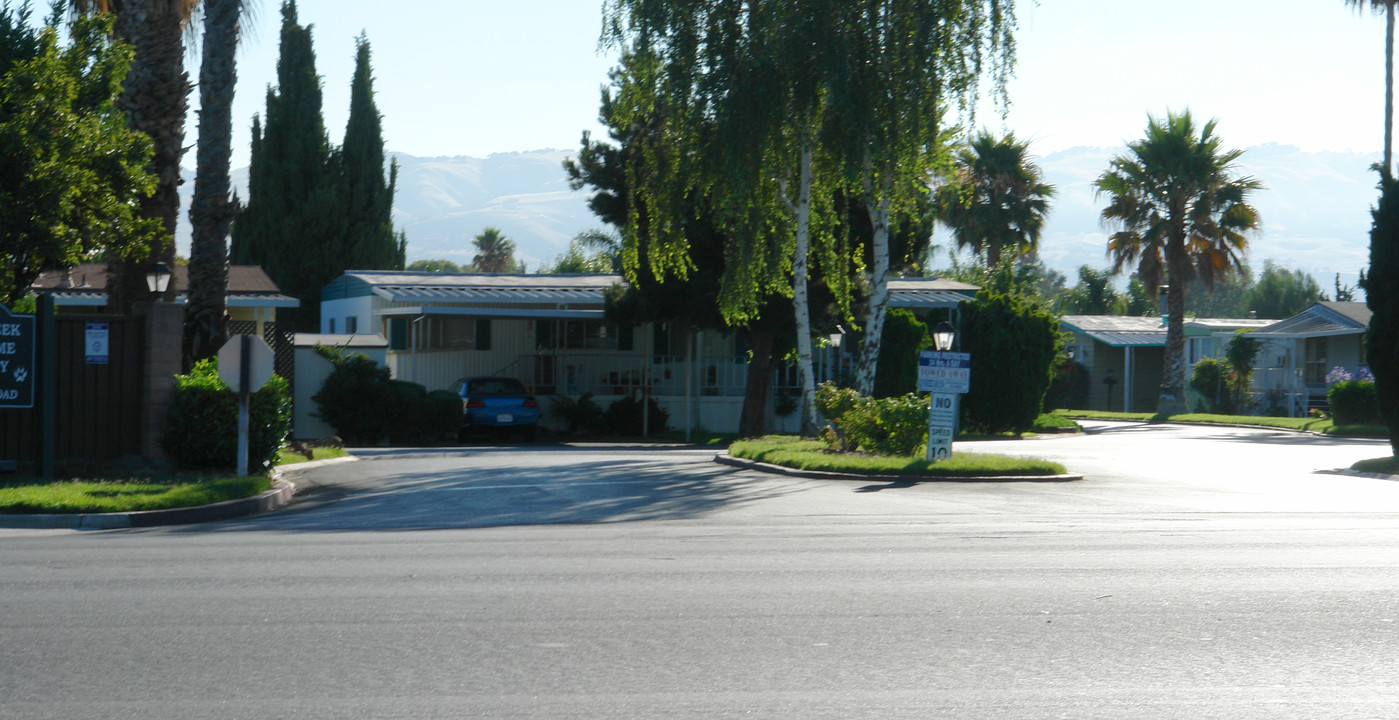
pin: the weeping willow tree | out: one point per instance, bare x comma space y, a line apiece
770, 107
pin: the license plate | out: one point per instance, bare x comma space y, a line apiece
505, 418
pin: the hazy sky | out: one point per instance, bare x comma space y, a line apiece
469, 77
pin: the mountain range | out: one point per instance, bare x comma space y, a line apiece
1314, 207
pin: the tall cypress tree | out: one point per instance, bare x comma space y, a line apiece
293, 225
370, 242
1382, 296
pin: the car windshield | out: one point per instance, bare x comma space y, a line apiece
496, 386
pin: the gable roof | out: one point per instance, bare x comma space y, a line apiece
1323, 319
86, 284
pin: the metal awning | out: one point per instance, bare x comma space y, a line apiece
542, 313
520, 295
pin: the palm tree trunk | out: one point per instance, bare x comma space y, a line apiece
155, 99
212, 208
1172, 400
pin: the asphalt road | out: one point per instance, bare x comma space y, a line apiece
1194, 573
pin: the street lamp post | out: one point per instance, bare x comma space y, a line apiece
158, 278
836, 338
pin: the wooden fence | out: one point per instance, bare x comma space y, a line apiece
98, 405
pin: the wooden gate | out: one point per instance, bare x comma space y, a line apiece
98, 405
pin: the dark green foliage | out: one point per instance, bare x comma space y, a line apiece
1013, 343
365, 405
370, 241
72, 174
1281, 293
581, 416
904, 336
1242, 353
887, 426
1354, 402
1069, 388
201, 429
623, 417
1208, 378
315, 211
1093, 295
355, 399
415, 416
1382, 296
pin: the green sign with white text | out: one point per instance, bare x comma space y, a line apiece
16, 360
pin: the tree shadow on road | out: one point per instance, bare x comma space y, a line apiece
570, 492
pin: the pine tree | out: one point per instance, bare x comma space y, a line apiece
371, 243
294, 225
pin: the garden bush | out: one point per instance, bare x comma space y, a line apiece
623, 417
1354, 402
357, 398
1208, 379
1013, 342
886, 426
201, 428
365, 405
1069, 388
581, 416
903, 337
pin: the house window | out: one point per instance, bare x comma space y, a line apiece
331, 329
1315, 373
1196, 349
454, 333
580, 335
351, 325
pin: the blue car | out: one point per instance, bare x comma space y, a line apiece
499, 404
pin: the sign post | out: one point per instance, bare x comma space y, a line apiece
947, 375
245, 365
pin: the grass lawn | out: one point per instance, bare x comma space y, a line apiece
1384, 465
802, 454
320, 453
1319, 425
103, 496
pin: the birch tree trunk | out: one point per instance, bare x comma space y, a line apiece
801, 301
877, 205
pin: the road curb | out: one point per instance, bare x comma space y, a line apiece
746, 464
279, 496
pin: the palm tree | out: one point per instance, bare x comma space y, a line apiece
997, 200
1182, 215
154, 98
1388, 7
495, 253
212, 208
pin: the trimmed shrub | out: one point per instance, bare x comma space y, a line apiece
581, 416
904, 336
623, 417
201, 429
1209, 379
365, 405
1069, 388
357, 398
1354, 402
888, 426
1013, 342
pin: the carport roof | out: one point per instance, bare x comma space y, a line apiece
1119, 330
